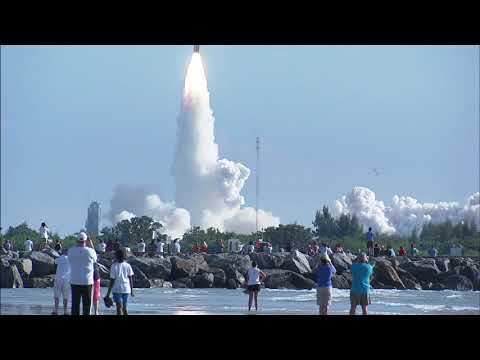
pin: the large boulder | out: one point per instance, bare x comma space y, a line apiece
267, 261
340, 282
139, 277
182, 283
240, 262
203, 280
379, 285
50, 252
231, 273
443, 264
24, 266
458, 282
341, 262
386, 274
296, 262
231, 284
219, 277
153, 268
42, 264
9, 275
184, 267
301, 282
472, 273
425, 270
279, 279
37, 282
411, 284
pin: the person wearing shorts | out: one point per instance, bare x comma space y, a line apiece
254, 277
61, 287
362, 272
121, 283
324, 272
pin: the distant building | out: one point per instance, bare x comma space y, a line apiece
93, 219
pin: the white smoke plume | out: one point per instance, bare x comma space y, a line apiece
207, 189
405, 214
130, 201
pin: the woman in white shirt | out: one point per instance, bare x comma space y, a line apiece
254, 278
121, 283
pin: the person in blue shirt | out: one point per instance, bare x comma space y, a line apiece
362, 272
391, 252
433, 252
370, 238
324, 272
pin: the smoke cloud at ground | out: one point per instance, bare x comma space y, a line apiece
405, 214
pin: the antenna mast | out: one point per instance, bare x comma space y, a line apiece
257, 178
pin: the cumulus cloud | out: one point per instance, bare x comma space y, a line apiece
405, 214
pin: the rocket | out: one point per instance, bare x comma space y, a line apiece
196, 48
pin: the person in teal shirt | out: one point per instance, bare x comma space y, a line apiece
362, 272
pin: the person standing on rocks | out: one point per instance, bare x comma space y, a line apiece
370, 238
433, 252
160, 246
176, 247
121, 283
360, 292
401, 251
44, 233
8, 245
28, 245
254, 278
81, 258
324, 272
141, 247
61, 287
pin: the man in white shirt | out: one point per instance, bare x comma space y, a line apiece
44, 233
61, 288
81, 260
141, 247
176, 247
160, 246
28, 245
325, 250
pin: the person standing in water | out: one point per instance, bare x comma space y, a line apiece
360, 293
324, 272
61, 287
121, 282
254, 278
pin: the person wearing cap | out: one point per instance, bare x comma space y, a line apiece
323, 273
362, 272
81, 258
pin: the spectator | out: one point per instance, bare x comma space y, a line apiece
121, 282
412, 248
325, 250
313, 249
81, 260
44, 233
339, 249
204, 248
61, 287
96, 289
250, 248
101, 247
401, 251
141, 247
160, 246
221, 246
324, 272
254, 277
360, 292
109, 246
376, 250
58, 245
176, 247
370, 238
433, 252
268, 248
8, 246
390, 252
28, 245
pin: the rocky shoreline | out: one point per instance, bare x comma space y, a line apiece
284, 271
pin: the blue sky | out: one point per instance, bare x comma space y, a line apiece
77, 120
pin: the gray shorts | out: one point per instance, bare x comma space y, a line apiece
361, 299
324, 296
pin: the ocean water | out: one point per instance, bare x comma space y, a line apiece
167, 301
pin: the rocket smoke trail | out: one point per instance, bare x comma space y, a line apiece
208, 189
205, 185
